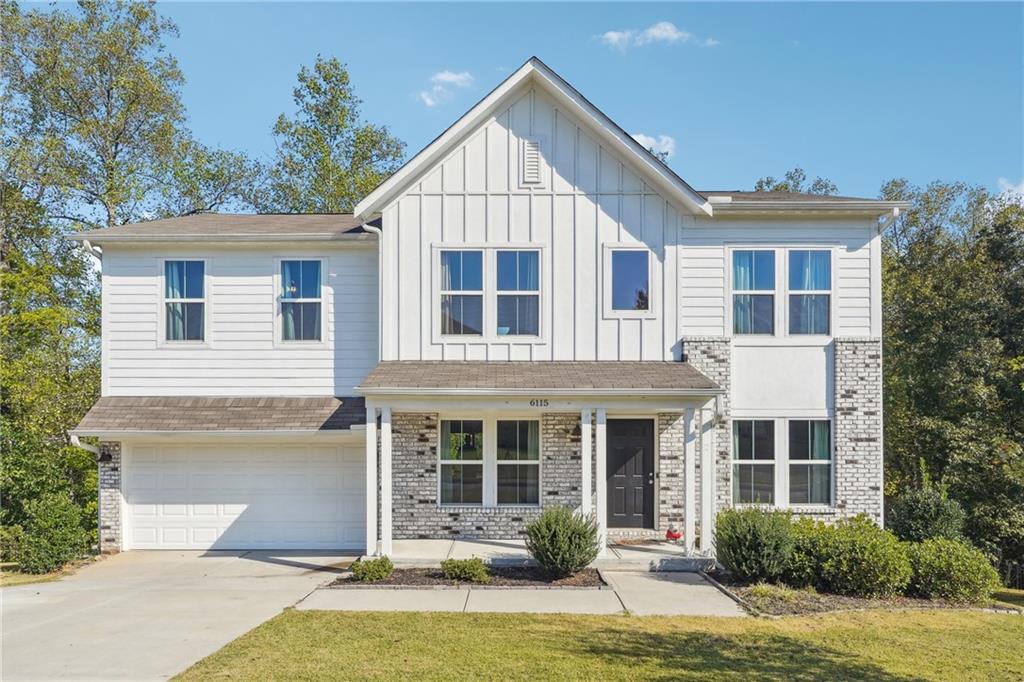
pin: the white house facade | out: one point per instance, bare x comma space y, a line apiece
533, 311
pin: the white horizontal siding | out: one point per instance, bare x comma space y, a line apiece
239, 356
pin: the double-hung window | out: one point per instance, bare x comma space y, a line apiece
518, 292
462, 461
184, 300
301, 300
810, 276
518, 458
753, 461
753, 286
810, 461
462, 293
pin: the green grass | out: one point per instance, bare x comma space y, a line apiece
307, 645
10, 576
1015, 597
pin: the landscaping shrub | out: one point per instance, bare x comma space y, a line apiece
562, 541
53, 534
865, 560
754, 544
811, 547
373, 570
465, 570
953, 570
11, 538
926, 512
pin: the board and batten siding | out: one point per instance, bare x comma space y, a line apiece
590, 197
240, 355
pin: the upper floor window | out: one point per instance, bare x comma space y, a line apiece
518, 292
301, 300
184, 299
753, 286
630, 280
462, 293
810, 274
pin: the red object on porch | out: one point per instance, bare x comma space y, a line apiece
673, 533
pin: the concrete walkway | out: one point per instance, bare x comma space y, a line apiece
640, 593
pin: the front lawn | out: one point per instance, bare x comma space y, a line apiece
862, 646
10, 576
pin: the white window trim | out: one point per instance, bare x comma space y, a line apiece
774, 292
608, 312
830, 292
782, 462
161, 317
490, 460
490, 294
774, 462
324, 301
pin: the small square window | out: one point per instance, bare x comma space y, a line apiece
630, 280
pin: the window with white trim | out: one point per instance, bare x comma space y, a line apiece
184, 300
489, 462
810, 461
518, 458
631, 286
461, 468
462, 293
518, 293
810, 274
753, 287
753, 461
782, 462
301, 300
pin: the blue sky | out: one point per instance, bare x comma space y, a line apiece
857, 92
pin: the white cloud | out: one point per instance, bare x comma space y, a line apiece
620, 40
662, 144
661, 32
441, 84
1008, 186
711, 42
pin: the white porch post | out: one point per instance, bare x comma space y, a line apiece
690, 472
385, 481
602, 482
707, 480
371, 481
585, 455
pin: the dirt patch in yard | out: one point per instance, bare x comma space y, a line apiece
501, 576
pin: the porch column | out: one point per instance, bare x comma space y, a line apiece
602, 482
385, 481
585, 455
690, 473
707, 480
371, 481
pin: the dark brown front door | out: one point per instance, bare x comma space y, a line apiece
630, 473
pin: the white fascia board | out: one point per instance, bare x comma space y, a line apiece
555, 85
221, 238
862, 207
279, 435
576, 392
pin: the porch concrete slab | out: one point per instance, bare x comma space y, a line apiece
354, 599
420, 552
597, 602
492, 551
657, 556
670, 594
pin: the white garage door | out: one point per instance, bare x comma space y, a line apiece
244, 497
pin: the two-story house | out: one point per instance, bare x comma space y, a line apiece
533, 311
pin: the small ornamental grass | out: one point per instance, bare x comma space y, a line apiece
947, 569
754, 544
466, 570
561, 541
373, 570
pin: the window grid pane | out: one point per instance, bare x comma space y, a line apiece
518, 483
809, 313
753, 270
462, 483
462, 315
753, 314
518, 315
810, 271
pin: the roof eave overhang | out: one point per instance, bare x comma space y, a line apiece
596, 392
276, 434
872, 208
540, 73
219, 238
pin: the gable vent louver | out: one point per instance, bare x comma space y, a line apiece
532, 173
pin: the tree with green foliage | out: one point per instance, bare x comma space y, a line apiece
795, 180
328, 158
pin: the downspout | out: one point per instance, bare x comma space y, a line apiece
85, 446
887, 222
94, 251
380, 288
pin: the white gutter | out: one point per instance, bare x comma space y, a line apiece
455, 392
85, 446
94, 251
887, 222
251, 237
380, 287
869, 206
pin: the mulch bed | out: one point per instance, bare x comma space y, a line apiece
501, 576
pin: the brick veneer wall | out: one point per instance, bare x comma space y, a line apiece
858, 427
712, 355
671, 472
110, 498
415, 510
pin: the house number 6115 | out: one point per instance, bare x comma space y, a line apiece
539, 402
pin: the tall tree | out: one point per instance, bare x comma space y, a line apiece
795, 180
328, 158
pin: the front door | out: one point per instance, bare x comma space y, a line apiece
630, 473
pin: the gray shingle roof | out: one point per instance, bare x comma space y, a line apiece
111, 414
778, 196
234, 226
605, 376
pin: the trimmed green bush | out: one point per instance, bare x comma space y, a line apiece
562, 541
812, 541
373, 570
953, 570
754, 544
53, 534
466, 570
11, 538
865, 560
924, 513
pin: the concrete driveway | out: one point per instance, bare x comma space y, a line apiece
149, 615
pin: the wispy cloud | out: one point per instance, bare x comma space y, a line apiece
664, 32
441, 84
1009, 187
660, 144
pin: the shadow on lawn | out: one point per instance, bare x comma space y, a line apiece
757, 656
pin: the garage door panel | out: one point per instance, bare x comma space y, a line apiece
242, 497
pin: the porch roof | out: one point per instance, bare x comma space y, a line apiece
151, 414
446, 377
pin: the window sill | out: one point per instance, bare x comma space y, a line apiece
487, 509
